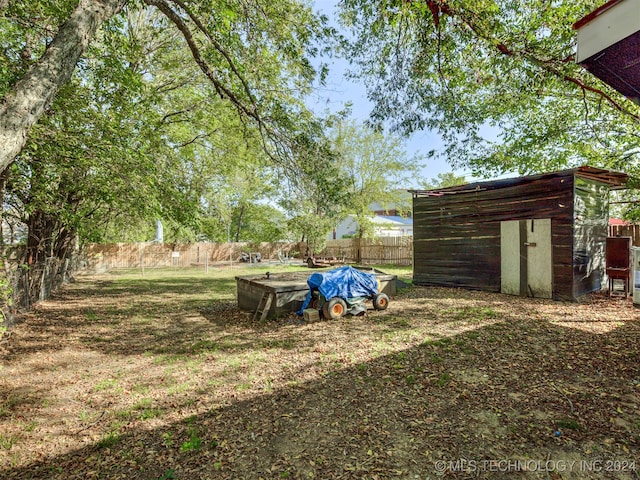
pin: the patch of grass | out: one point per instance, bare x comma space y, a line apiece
472, 314
167, 439
398, 322
243, 386
267, 386
30, 426
168, 358
205, 346
214, 382
145, 411
443, 379
232, 364
149, 413
7, 441
140, 320
568, 423
168, 475
107, 384
125, 414
11, 402
141, 388
403, 272
193, 364
284, 344
109, 440
178, 388
194, 443
143, 403
441, 342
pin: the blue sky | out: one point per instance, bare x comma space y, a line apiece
340, 90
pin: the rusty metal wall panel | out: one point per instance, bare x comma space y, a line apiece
590, 234
457, 236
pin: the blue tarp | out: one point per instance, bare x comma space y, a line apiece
344, 282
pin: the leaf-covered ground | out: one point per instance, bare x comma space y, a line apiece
160, 376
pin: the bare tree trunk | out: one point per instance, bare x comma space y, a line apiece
23, 106
240, 215
4, 176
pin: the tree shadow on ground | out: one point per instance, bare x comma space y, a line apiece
172, 316
516, 389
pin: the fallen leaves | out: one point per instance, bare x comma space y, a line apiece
105, 383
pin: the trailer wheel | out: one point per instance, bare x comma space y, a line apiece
381, 301
310, 262
334, 308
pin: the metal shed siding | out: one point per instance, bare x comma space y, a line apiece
591, 215
457, 235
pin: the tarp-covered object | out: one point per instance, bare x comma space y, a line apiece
344, 282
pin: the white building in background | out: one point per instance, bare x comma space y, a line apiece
383, 226
392, 226
394, 220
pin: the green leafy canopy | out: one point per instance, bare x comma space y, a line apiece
496, 79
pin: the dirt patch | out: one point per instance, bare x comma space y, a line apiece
131, 377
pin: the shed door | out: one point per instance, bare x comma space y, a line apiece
525, 258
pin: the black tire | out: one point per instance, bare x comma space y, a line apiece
381, 301
334, 308
310, 262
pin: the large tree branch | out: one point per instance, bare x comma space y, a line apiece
23, 106
438, 7
194, 139
221, 50
221, 89
247, 109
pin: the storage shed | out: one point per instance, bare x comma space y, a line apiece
540, 235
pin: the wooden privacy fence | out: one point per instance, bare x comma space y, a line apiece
104, 257
632, 231
381, 250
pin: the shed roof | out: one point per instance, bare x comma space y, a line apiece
608, 177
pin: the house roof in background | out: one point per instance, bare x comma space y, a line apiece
618, 221
393, 219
